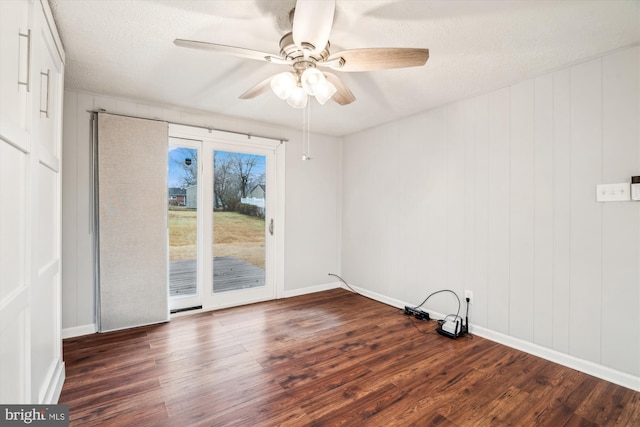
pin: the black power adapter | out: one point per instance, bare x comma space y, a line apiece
416, 312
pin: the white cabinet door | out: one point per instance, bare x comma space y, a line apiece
48, 91
45, 181
14, 281
16, 80
31, 72
15, 148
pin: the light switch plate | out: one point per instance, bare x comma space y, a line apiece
613, 192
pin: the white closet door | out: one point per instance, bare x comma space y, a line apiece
132, 222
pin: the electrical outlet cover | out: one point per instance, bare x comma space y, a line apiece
468, 294
613, 192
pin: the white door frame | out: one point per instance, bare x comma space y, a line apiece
211, 140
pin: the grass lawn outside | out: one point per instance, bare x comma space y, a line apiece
234, 234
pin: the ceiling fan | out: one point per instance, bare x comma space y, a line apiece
305, 49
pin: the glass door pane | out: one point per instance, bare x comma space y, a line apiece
239, 200
183, 227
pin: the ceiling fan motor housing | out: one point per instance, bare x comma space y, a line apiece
289, 50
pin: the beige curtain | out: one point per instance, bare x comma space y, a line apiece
131, 196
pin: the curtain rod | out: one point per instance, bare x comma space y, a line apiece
210, 129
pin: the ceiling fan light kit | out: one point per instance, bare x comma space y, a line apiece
283, 84
305, 48
316, 84
294, 89
311, 79
325, 91
298, 98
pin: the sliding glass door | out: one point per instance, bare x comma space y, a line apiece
221, 220
240, 226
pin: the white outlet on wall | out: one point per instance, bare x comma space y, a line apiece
468, 294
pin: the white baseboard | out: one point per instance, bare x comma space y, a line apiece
603, 372
311, 289
378, 297
78, 331
54, 388
591, 368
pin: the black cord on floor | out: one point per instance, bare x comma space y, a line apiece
402, 311
414, 322
457, 315
415, 325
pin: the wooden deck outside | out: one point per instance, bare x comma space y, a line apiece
229, 273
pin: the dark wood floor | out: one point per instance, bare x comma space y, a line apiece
330, 358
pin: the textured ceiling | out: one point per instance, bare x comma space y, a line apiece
125, 49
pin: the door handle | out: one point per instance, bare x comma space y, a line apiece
271, 227
46, 102
28, 82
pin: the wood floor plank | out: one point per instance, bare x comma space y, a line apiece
97, 397
124, 412
630, 416
355, 406
610, 402
328, 358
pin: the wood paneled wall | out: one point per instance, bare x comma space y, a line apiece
496, 194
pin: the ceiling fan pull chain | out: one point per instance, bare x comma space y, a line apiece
309, 130
306, 132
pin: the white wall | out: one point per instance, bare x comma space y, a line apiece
313, 209
311, 206
496, 194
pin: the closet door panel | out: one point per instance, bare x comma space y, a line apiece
16, 81
48, 80
14, 284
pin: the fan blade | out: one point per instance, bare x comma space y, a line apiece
377, 59
258, 89
312, 22
231, 50
343, 96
